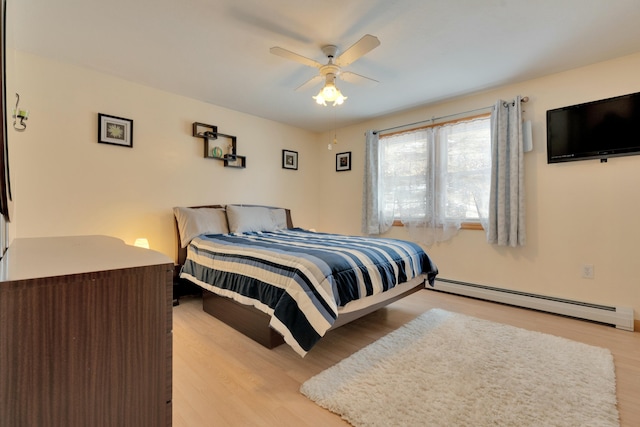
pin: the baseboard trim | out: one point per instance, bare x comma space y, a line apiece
620, 317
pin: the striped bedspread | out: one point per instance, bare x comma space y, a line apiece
299, 277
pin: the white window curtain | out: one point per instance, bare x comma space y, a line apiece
373, 219
506, 223
409, 181
422, 180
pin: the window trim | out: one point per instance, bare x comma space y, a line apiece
463, 226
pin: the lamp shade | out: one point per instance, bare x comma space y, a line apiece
330, 93
141, 242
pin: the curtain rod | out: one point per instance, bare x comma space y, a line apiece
433, 119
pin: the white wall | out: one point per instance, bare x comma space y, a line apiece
65, 183
577, 213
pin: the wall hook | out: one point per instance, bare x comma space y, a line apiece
21, 115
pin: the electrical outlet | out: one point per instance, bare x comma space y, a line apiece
587, 271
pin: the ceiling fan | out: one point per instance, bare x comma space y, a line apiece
333, 68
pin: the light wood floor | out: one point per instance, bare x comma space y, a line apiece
221, 378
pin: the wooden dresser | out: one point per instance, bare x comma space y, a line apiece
85, 333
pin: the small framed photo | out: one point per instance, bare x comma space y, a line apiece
289, 159
343, 161
115, 130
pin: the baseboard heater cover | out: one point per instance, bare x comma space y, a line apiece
620, 317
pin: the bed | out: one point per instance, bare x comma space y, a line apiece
277, 283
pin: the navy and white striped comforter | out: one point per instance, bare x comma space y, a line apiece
299, 277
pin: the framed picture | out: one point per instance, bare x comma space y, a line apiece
289, 159
115, 130
343, 161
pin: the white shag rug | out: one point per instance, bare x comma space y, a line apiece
446, 369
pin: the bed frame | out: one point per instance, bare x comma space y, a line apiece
255, 324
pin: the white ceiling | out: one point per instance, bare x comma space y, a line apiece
217, 51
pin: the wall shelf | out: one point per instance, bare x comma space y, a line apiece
219, 146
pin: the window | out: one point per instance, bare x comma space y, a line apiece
438, 174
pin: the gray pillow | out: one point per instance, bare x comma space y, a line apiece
194, 222
245, 219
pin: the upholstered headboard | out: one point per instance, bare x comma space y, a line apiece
182, 251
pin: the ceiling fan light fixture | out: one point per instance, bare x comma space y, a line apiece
330, 93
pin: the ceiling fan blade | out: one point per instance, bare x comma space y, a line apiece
366, 44
311, 82
261, 22
351, 77
294, 57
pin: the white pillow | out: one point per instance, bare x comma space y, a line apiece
194, 222
245, 219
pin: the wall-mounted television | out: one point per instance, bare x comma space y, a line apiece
594, 130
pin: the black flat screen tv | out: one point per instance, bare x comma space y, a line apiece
594, 130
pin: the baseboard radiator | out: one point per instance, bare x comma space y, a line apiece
620, 317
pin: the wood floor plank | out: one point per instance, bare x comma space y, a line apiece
222, 378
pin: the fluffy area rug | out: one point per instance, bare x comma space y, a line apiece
446, 369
